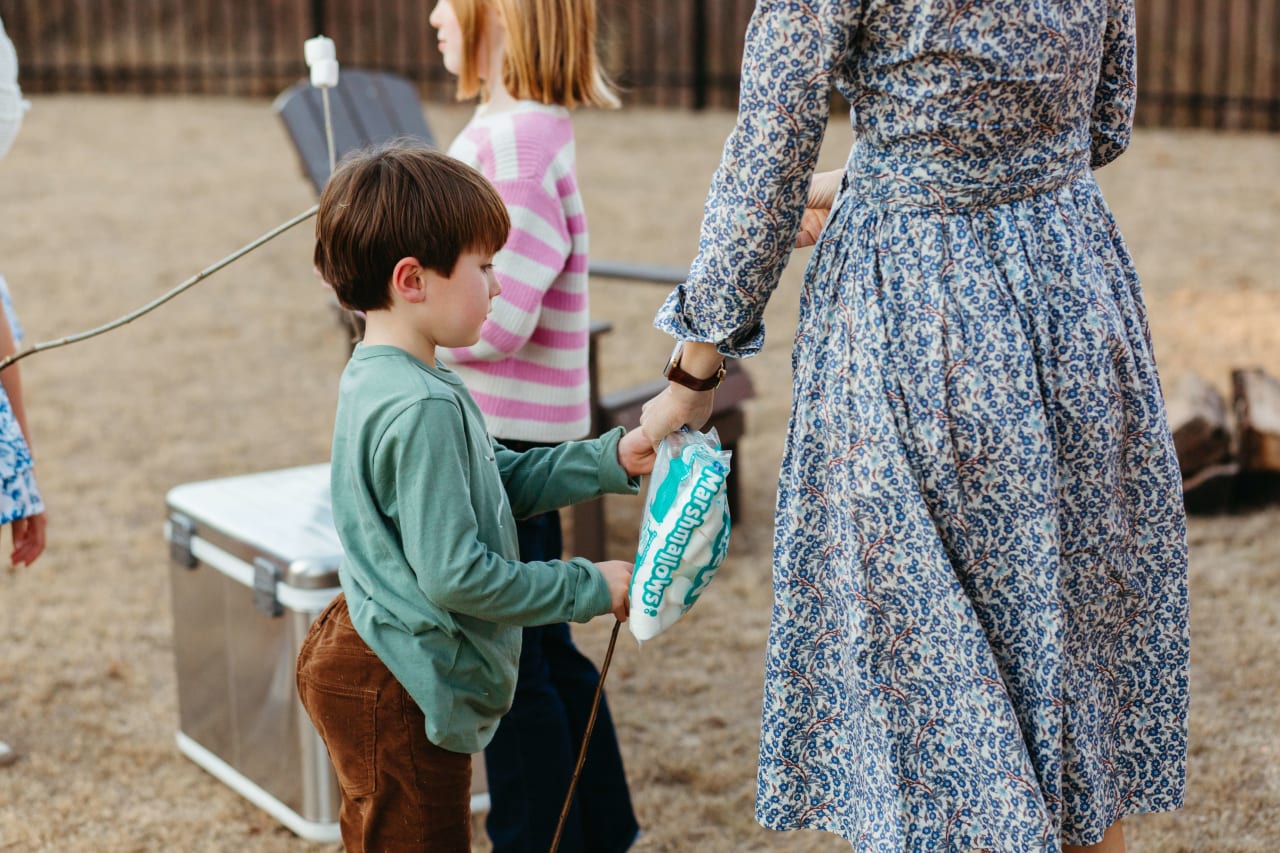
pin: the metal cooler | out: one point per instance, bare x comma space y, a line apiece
254, 559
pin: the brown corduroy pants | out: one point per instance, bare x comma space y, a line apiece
400, 792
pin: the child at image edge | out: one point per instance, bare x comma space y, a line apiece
408, 671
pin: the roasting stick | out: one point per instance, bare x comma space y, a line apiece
586, 738
321, 60
156, 303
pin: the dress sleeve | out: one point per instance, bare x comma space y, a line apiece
1113, 101
757, 195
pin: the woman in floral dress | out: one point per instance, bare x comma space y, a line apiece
979, 637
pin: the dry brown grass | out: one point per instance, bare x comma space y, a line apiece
109, 202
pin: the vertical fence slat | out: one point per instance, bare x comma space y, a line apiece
1238, 48
1252, 76
1273, 49
1225, 105
1207, 36
1268, 91
178, 41
1148, 60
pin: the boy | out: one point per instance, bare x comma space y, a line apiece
408, 671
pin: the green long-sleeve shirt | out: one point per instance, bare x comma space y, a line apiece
425, 503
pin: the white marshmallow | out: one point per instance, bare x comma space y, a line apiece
644, 627
324, 73
319, 49
680, 586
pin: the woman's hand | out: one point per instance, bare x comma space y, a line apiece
675, 407
636, 454
822, 195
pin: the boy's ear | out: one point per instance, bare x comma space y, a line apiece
408, 280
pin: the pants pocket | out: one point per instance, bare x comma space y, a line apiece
346, 718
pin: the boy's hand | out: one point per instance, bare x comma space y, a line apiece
618, 575
636, 453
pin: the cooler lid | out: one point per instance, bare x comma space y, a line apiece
286, 513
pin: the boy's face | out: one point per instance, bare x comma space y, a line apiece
459, 303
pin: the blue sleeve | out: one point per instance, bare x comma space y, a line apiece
1111, 122
758, 194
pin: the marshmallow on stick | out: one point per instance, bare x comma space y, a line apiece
322, 59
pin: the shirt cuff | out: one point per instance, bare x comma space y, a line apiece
732, 341
591, 598
613, 477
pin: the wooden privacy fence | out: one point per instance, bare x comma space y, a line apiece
254, 47
1205, 63
1209, 63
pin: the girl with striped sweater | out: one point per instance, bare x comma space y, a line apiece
530, 62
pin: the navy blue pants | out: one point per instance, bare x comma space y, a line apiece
531, 758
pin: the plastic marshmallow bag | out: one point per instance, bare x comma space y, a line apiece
685, 531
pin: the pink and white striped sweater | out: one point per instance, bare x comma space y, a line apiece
528, 372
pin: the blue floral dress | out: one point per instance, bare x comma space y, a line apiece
19, 497
979, 637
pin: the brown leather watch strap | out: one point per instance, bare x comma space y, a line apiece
676, 374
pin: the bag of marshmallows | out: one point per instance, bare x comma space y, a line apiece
685, 531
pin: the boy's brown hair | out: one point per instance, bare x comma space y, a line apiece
401, 200
551, 51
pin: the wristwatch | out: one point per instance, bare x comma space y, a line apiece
676, 374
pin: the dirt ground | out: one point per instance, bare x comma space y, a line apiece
110, 202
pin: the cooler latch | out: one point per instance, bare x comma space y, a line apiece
181, 531
266, 575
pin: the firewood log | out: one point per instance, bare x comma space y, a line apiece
1256, 399
1211, 490
1198, 417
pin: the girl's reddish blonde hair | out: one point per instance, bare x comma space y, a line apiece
550, 51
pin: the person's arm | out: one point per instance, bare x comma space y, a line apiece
28, 533
758, 194
1111, 122
678, 406
757, 198
533, 257
547, 478
425, 453
11, 379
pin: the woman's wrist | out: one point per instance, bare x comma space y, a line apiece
699, 359
701, 371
